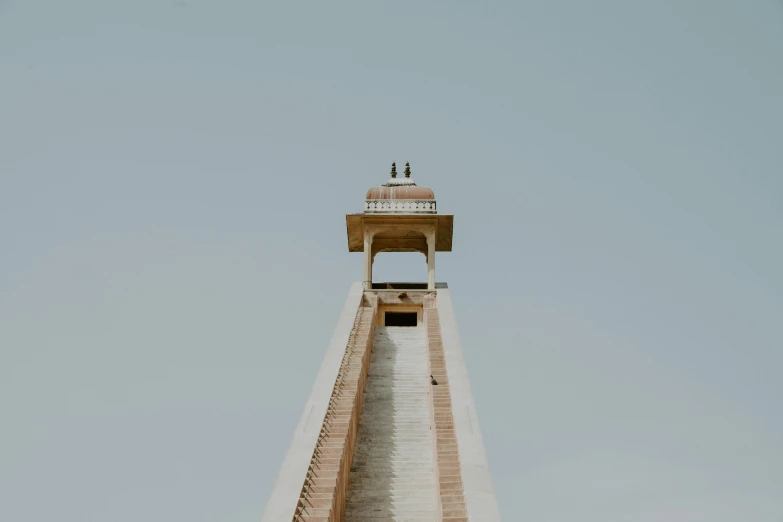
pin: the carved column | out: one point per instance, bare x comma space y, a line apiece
431, 260
368, 258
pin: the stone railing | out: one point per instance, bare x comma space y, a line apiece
426, 206
323, 495
450, 488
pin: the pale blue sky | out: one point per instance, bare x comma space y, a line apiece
173, 183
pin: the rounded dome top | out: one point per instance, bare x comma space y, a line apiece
397, 188
408, 192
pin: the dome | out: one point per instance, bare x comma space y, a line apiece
400, 188
405, 192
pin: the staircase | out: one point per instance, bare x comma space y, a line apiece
393, 472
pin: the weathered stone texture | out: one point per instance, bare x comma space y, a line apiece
323, 494
393, 474
450, 487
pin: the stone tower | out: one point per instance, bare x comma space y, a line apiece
390, 431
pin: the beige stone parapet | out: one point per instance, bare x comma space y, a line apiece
322, 498
393, 205
449, 474
285, 497
479, 492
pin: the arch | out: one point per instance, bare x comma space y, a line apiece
399, 237
399, 267
398, 240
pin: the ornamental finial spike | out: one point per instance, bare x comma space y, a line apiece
407, 169
394, 170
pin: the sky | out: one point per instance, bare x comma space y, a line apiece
173, 182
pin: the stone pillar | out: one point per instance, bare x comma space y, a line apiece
367, 281
431, 261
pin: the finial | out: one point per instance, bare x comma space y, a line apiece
395, 181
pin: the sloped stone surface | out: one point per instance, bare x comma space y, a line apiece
393, 476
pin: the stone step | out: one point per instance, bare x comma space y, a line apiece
388, 483
402, 500
393, 469
382, 511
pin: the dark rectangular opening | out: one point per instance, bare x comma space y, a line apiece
399, 286
400, 319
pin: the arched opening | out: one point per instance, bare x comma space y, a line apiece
398, 237
400, 267
399, 240
405, 266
